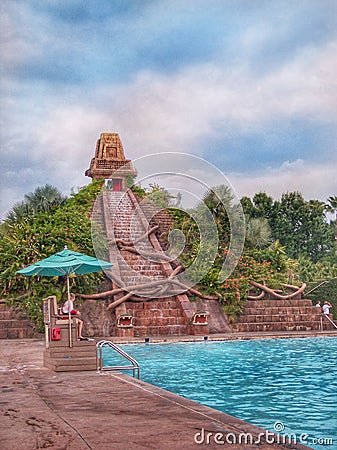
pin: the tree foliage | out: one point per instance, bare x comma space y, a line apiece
261, 261
43, 199
258, 233
299, 225
287, 240
38, 236
282, 239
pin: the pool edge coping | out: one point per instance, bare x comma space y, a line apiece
218, 337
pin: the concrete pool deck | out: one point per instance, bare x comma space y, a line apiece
110, 410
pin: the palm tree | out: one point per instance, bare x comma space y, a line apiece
331, 206
43, 199
258, 233
19, 211
217, 197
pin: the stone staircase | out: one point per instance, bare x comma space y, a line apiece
127, 226
12, 325
281, 315
157, 317
124, 219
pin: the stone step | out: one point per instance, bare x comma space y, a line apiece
168, 303
69, 365
277, 303
139, 263
273, 326
170, 330
61, 358
5, 314
14, 323
278, 318
281, 309
279, 315
328, 326
284, 326
162, 317
16, 333
143, 271
159, 321
147, 313
77, 348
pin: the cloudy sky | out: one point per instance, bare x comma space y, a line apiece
248, 85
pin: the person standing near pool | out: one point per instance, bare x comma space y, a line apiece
318, 305
326, 308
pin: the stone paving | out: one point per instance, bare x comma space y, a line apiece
88, 410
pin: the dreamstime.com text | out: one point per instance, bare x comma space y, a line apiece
269, 437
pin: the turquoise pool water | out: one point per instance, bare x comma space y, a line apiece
290, 384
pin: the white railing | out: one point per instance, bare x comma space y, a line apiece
327, 317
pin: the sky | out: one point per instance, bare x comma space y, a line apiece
248, 85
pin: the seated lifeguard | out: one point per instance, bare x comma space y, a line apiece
68, 308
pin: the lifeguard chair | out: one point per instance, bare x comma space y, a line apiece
63, 351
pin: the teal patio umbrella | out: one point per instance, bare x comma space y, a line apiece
65, 263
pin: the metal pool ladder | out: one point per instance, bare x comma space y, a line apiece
134, 364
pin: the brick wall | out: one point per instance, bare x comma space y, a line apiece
280, 315
13, 325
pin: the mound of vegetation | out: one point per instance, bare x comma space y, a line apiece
287, 241
37, 228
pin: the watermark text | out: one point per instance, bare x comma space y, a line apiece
269, 437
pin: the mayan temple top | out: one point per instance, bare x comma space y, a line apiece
109, 157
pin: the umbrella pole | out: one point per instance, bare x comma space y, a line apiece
69, 315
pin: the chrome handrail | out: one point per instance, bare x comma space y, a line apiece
331, 321
134, 367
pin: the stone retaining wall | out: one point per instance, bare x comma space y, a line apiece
280, 315
13, 325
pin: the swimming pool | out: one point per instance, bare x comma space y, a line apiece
290, 384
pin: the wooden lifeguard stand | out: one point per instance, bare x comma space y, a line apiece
63, 352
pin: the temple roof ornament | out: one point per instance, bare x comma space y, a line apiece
109, 157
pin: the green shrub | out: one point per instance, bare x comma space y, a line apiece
38, 236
